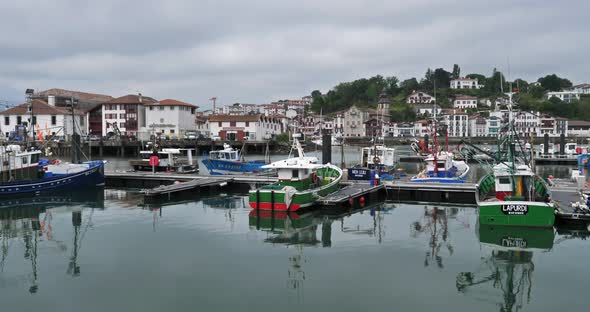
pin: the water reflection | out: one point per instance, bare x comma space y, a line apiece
508, 269
434, 224
29, 220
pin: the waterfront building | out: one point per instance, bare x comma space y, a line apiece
478, 126
581, 88
565, 96
354, 122
493, 124
421, 128
61, 98
465, 83
457, 122
426, 109
578, 128
465, 101
418, 97
170, 117
47, 120
247, 127
125, 115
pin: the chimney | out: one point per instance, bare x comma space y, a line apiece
51, 100
140, 98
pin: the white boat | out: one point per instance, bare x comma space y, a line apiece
442, 169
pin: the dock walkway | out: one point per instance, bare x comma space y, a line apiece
352, 191
185, 186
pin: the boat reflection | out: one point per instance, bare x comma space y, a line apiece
434, 224
30, 221
508, 268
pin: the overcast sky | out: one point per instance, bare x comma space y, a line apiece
260, 51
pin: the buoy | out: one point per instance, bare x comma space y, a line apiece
362, 201
177, 182
550, 177
350, 201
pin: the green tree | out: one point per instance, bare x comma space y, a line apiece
442, 78
409, 85
521, 84
554, 83
456, 72
427, 83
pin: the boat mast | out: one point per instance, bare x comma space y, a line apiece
435, 139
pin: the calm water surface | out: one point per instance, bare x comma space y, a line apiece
111, 252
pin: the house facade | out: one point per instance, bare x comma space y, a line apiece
126, 114
170, 117
418, 97
457, 123
426, 109
565, 96
354, 122
247, 127
47, 120
581, 88
465, 83
465, 101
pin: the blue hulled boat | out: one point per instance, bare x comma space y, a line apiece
231, 161
442, 169
23, 172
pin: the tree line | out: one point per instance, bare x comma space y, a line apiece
365, 93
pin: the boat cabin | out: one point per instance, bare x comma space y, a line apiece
514, 186
444, 162
231, 155
168, 156
16, 164
378, 155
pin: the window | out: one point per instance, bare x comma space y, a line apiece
122, 125
161, 108
53, 120
219, 124
161, 120
7, 121
81, 120
247, 123
171, 130
171, 108
232, 123
34, 120
121, 116
19, 120
295, 173
163, 131
151, 108
504, 180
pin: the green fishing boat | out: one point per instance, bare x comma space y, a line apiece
511, 193
301, 181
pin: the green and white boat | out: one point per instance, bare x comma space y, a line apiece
301, 181
511, 193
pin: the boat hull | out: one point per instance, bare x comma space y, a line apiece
517, 213
217, 166
91, 177
278, 198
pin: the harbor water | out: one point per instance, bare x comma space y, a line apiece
110, 251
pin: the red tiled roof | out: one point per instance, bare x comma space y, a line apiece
131, 99
82, 96
40, 107
170, 102
465, 97
215, 118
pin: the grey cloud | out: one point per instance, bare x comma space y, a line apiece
259, 51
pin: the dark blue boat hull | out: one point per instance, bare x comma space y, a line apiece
91, 177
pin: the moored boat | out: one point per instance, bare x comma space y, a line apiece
377, 158
23, 172
168, 159
231, 161
442, 168
301, 181
511, 193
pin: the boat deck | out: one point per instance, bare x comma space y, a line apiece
564, 193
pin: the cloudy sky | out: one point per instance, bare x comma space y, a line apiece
258, 51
